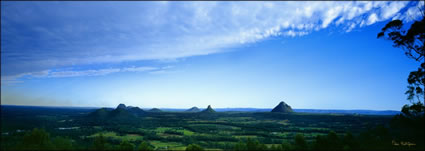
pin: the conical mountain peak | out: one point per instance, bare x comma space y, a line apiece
209, 109
282, 107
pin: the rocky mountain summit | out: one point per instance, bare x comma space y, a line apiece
121, 111
209, 110
121, 106
282, 107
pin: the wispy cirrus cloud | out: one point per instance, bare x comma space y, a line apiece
78, 73
45, 36
99, 72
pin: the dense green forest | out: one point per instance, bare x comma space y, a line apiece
104, 129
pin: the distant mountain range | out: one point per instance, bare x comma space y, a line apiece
20, 108
330, 111
364, 112
121, 112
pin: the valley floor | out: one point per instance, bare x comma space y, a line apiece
175, 130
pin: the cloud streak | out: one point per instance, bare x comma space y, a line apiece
46, 36
78, 73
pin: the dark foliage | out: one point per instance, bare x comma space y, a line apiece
125, 145
408, 127
144, 146
194, 147
412, 40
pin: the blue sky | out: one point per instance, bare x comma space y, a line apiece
321, 55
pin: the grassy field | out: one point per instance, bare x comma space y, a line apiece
175, 130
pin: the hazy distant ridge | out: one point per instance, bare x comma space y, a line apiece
364, 112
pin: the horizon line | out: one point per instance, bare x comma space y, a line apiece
53, 106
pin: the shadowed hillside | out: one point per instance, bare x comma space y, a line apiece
282, 107
208, 110
193, 109
121, 112
155, 110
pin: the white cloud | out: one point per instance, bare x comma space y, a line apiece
413, 13
58, 36
372, 19
13, 79
29, 74
82, 73
351, 27
77, 73
391, 9
293, 33
138, 69
331, 14
99, 72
